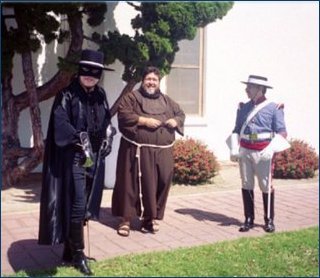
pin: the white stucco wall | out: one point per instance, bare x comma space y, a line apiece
279, 40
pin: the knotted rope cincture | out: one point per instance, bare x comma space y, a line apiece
138, 151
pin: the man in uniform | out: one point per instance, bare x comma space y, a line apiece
259, 127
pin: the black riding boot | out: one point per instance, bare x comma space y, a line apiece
248, 204
269, 225
79, 260
67, 252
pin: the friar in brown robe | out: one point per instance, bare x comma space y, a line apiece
148, 120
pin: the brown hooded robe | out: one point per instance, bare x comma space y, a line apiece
156, 163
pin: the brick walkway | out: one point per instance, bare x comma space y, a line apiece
190, 220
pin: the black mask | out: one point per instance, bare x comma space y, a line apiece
90, 71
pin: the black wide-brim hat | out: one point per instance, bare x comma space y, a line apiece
93, 59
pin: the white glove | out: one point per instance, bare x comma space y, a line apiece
234, 155
233, 143
266, 153
277, 144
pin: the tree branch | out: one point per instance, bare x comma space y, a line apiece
129, 87
137, 7
90, 39
61, 78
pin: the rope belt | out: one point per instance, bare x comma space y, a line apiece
138, 151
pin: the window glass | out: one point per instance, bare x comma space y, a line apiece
184, 81
183, 86
189, 52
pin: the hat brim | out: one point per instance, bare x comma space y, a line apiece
94, 65
97, 66
256, 83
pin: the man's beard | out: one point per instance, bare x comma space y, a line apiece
151, 90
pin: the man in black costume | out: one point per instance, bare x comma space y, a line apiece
73, 168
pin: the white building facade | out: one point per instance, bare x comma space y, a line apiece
279, 40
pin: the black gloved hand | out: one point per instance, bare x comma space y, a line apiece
106, 146
105, 149
87, 149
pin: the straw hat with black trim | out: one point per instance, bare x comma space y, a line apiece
258, 80
92, 58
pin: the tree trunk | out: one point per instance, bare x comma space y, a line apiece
10, 115
61, 78
10, 140
31, 161
30, 158
128, 88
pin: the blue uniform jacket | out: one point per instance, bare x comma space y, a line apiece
269, 119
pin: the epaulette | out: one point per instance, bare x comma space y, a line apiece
280, 106
240, 105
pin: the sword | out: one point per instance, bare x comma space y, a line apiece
95, 195
87, 149
277, 144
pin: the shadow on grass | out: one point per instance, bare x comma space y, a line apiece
34, 259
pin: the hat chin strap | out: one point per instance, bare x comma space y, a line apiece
86, 88
89, 89
257, 96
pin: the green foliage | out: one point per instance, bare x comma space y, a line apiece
69, 66
95, 13
193, 162
36, 20
298, 162
40, 22
158, 29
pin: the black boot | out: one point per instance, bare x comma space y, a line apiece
79, 260
67, 252
269, 225
248, 204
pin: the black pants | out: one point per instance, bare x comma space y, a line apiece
83, 179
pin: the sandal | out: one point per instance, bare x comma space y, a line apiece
149, 226
124, 229
155, 226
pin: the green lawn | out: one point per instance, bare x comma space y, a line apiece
279, 254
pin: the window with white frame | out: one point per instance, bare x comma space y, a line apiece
185, 81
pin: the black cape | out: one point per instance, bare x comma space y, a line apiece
57, 181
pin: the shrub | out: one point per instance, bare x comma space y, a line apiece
193, 162
298, 162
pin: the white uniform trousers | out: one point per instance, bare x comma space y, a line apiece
251, 166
